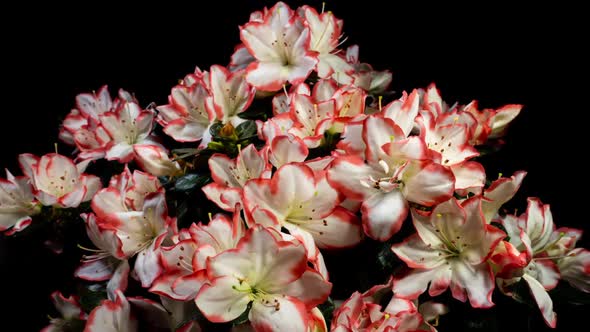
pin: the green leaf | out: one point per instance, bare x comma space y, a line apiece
214, 129
246, 130
327, 309
189, 182
91, 296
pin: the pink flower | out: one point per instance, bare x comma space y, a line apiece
17, 203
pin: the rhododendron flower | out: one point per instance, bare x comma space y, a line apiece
364, 77
126, 192
17, 203
281, 46
500, 192
363, 312
269, 273
394, 174
325, 31
127, 125
72, 315
230, 95
230, 176
303, 203
186, 118
58, 181
536, 252
112, 315
108, 262
142, 233
184, 263
451, 248
154, 160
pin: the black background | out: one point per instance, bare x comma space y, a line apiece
497, 54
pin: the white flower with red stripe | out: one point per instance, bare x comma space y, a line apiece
363, 312
186, 118
108, 262
58, 181
450, 249
391, 173
230, 95
82, 126
230, 175
72, 315
112, 315
281, 46
270, 274
540, 255
185, 262
325, 32
305, 204
126, 192
127, 125
154, 160
17, 203
141, 234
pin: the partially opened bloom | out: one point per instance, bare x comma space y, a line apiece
540, 255
280, 43
269, 273
17, 203
112, 315
154, 160
325, 31
450, 249
58, 181
72, 315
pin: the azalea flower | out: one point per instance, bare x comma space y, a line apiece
305, 204
72, 314
230, 95
58, 181
325, 31
17, 203
363, 312
281, 46
185, 262
112, 315
154, 159
142, 233
450, 249
186, 118
392, 172
108, 262
230, 176
536, 253
268, 273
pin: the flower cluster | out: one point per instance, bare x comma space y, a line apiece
293, 149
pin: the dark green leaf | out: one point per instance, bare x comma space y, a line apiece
91, 296
564, 292
327, 309
214, 129
246, 130
189, 182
